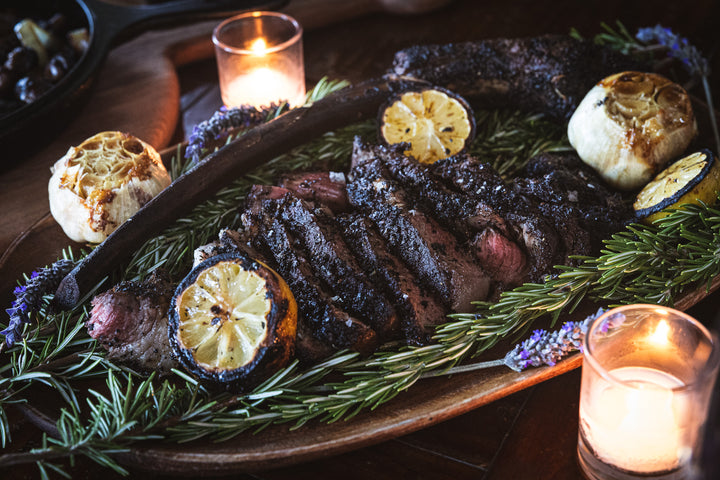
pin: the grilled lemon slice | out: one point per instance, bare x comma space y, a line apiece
692, 179
435, 122
233, 321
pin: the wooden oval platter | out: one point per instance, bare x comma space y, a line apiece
426, 403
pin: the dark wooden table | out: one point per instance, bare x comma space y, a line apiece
528, 435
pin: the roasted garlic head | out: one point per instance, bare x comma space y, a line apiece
630, 125
102, 182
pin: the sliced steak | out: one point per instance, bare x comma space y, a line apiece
470, 219
418, 309
501, 258
321, 188
130, 322
569, 188
430, 251
507, 212
335, 265
323, 327
549, 74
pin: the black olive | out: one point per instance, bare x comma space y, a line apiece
29, 89
57, 67
57, 24
7, 81
21, 60
6, 45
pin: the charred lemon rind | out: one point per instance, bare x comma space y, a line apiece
702, 187
274, 349
433, 122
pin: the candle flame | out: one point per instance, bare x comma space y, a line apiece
661, 335
258, 46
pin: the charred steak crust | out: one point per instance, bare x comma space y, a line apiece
566, 184
507, 212
419, 310
323, 327
335, 265
472, 220
431, 252
321, 188
549, 74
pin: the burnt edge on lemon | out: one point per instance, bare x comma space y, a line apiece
275, 349
709, 173
463, 105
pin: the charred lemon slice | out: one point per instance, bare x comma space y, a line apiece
233, 321
436, 123
692, 179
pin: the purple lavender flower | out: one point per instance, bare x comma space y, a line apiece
28, 297
548, 348
224, 120
678, 47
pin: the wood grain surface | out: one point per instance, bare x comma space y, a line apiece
530, 434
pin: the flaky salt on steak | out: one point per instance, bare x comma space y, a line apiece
130, 322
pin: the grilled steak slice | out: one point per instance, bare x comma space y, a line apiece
462, 214
507, 212
323, 327
549, 74
333, 263
321, 188
501, 258
572, 189
130, 322
324, 320
430, 252
229, 241
419, 310
451, 209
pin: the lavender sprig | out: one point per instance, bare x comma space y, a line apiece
677, 47
548, 348
542, 348
28, 297
222, 122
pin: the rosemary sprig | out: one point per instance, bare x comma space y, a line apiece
507, 139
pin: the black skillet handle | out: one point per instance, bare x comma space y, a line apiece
113, 23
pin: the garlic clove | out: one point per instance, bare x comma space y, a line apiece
630, 125
102, 182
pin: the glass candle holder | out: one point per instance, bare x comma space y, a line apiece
260, 60
647, 377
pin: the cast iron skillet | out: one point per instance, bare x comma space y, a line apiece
29, 126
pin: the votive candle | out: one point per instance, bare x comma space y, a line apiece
648, 373
260, 60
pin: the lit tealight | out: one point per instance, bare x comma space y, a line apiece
260, 60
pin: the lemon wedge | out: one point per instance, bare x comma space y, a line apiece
694, 178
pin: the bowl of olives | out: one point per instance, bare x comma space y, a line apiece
51, 49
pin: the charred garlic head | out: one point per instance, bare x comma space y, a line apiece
102, 182
630, 125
